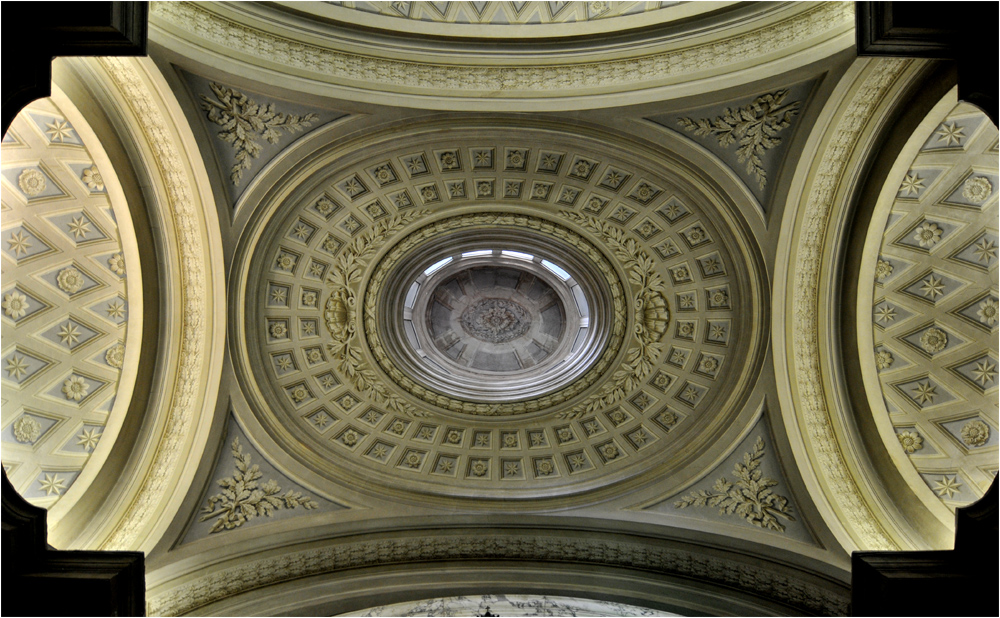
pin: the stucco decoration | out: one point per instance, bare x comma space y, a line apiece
751, 134
505, 14
941, 294
246, 129
746, 489
242, 119
509, 605
748, 496
389, 69
754, 126
248, 491
811, 417
64, 308
671, 294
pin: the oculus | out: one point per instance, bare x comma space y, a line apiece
500, 315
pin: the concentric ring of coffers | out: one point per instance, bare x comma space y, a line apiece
669, 293
425, 356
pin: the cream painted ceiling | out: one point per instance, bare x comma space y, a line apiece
66, 305
292, 175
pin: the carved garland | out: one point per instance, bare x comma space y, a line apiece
652, 315
340, 312
617, 301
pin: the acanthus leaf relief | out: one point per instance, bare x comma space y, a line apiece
750, 497
242, 498
755, 126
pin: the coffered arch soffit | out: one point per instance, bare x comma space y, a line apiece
816, 405
930, 314
74, 304
148, 143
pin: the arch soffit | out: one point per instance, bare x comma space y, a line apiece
813, 392
163, 155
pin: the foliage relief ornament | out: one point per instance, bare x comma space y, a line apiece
340, 311
241, 119
911, 441
15, 304
93, 179
928, 234
975, 433
32, 182
988, 310
115, 356
243, 499
75, 388
977, 189
883, 359
751, 497
755, 126
651, 319
883, 268
27, 429
117, 264
70, 280
934, 340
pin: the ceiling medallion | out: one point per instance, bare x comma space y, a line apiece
495, 314
497, 320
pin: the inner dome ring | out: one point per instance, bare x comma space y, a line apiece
585, 286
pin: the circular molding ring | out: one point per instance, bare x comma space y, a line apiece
513, 228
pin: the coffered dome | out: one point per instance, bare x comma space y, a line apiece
632, 307
520, 312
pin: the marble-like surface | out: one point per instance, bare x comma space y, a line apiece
509, 605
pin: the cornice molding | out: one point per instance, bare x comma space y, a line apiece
394, 70
798, 590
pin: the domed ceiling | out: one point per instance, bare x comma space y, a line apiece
525, 312
642, 307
